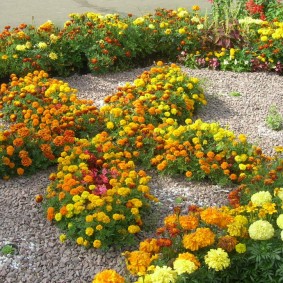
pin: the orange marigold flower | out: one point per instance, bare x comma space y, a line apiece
18, 142
149, 246
138, 262
189, 174
171, 220
203, 237
20, 171
61, 195
188, 222
224, 165
24, 132
108, 276
26, 161
214, 216
88, 179
50, 213
23, 154
10, 150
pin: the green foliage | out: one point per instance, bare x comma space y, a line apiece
274, 119
7, 250
235, 93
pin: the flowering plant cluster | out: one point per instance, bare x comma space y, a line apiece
213, 244
97, 197
239, 42
43, 116
97, 43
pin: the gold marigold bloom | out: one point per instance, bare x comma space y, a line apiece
149, 246
133, 229
108, 275
188, 222
96, 244
203, 237
195, 8
138, 262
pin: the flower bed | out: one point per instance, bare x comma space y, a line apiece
95, 43
98, 197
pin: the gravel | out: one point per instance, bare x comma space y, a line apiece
42, 258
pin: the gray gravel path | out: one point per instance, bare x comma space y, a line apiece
42, 258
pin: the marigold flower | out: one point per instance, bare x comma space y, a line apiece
50, 213
184, 266
133, 229
188, 222
10, 150
163, 274
261, 198
241, 248
62, 238
227, 243
20, 171
279, 221
138, 262
203, 237
149, 246
261, 230
108, 276
96, 244
217, 259
53, 56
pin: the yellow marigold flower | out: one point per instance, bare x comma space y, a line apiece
89, 231
279, 221
99, 227
89, 218
108, 276
242, 166
279, 193
133, 229
53, 56
134, 211
58, 216
117, 216
4, 57
62, 238
42, 45
241, 248
96, 244
110, 125
136, 202
164, 274
261, 198
184, 266
168, 31
80, 240
217, 259
138, 21
261, 230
